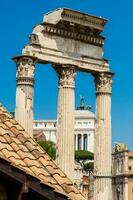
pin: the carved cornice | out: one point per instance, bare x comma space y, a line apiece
86, 19
103, 83
66, 15
73, 34
66, 74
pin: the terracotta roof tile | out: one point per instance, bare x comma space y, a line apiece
8, 138
55, 171
17, 141
44, 162
38, 170
23, 148
15, 130
3, 130
43, 178
130, 153
57, 187
3, 126
24, 155
26, 169
22, 151
22, 138
9, 123
60, 180
17, 161
6, 146
3, 117
14, 146
29, 145
36, 153
9, 154
2, 139
70, 188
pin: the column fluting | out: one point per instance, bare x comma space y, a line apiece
103, 145
25, 91
65, 118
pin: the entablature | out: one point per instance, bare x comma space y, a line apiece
69, 37
65, 15
75, 34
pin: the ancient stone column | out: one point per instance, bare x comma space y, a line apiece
65, 119
25, 92
103, 146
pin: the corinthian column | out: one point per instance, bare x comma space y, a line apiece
103, 146
65, 119
25, 92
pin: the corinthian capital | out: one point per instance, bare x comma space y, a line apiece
66, 74
25, 66
103, 82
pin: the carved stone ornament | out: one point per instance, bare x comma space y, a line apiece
66, 74
103, 82
25, 67
119, 147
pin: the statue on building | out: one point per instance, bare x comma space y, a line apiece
82, 104
119, 147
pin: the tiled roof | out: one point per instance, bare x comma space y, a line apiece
130, 153
24, 153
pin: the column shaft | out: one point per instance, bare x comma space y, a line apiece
65, 119
82, 141
103, 146
25, 92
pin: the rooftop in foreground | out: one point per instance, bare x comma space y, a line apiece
20, 152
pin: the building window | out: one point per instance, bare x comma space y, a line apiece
79, 141
86, 123
130, 168
85, 142
74, 141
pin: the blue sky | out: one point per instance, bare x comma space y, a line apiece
17, 18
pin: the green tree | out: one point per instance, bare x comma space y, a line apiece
83, 155
49, 147
88, 166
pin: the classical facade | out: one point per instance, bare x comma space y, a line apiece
122, 173
84, 128
71, 41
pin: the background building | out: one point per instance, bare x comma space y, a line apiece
84, 128
122, 173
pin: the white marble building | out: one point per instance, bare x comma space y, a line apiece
84, 128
